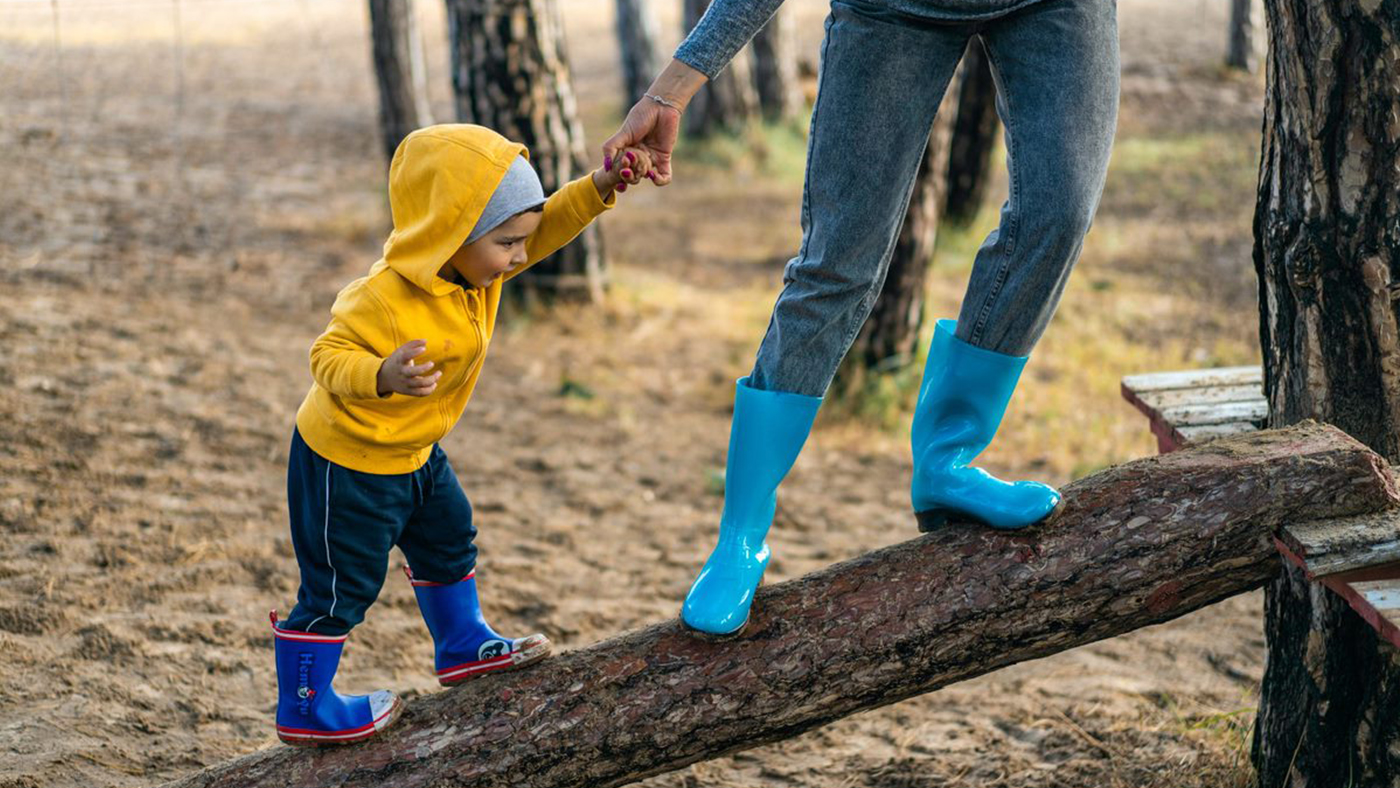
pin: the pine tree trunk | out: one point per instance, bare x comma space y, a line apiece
974, 137
397, 48
1327, 231
636, 38
890, 335
510, 73
728, 101
775, 68
1241, 52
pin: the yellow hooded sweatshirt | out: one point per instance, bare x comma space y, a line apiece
440, 180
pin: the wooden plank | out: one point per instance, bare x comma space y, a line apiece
1218, 413
1382, 596
1195, 434
1195, 378
1168, 398
1347, 545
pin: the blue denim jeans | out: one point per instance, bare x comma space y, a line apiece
882, 77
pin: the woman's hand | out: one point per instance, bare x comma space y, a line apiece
654, 126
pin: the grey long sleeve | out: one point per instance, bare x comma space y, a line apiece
724, 29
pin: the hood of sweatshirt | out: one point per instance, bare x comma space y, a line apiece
440, 180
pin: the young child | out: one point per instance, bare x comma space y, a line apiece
393, 371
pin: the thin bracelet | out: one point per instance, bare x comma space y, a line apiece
663, 102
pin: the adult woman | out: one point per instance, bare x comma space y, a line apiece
885, 65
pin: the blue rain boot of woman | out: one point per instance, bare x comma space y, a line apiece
765, 437
465, 646
309, 710
962, 399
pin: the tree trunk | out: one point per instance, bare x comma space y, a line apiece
636, 38
397, 48
1241, 53
510, 73
890, 335
1327, 230
775, 68
727, 102
1135, 545
974, 137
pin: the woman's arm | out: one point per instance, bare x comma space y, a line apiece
724, 29
654, 122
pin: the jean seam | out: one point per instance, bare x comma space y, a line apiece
980, 323
812, 137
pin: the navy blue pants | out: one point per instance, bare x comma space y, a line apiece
344, 523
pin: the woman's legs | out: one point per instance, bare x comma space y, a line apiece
882, 78
1056, 69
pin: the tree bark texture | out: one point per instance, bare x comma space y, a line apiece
890, 335
1327, 231
775, 68
1135, 545
1241, 49
974, 137
510, 73
636, 38
399, 66
726, 103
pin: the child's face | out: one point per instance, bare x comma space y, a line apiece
496, 252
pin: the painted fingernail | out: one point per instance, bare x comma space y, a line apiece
622, 187
626, 173
652, 174
630, 157
607, 163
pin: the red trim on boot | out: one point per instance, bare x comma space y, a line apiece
305, 637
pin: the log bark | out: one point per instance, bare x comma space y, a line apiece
399, 66
726, 103
510, 73
636, 38
1327, 252
1137, 544
974, 137
775, 68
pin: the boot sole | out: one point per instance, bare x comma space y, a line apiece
389, 719
519, 659
717, 638
932, 519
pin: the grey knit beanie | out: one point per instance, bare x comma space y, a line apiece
519, 191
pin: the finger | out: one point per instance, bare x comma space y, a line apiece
411, 349
420, 392
622, 187
423, 380
615, 143
414, 370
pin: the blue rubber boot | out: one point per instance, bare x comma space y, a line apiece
765, 437
309, 710
465, 645
962, 399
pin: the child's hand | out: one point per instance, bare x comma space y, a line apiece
398, 373
630, 167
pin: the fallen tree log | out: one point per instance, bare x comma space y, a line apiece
1137, 544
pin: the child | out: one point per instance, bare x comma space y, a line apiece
393, 371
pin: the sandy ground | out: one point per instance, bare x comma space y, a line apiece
176, 216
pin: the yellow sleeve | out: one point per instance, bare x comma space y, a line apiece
566, 213
343, 360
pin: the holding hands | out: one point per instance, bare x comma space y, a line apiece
628, 168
